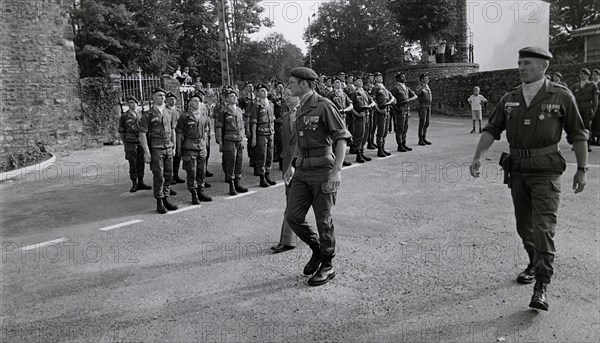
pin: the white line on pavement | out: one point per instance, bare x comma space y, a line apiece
39, 245
447, 122
589, 165
383, 158
279, 184
184, 209
116, 226
240, 195
353, 166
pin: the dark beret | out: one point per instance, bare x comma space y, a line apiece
197, 95
229, 91
279, 83
369, 74
378, 74
328, 78
337, 79
400, 74
535, 52
597, 71
171, 95
585, 70
132, 98
357, 78
158, 89
349, 75
304, 73
248, 83
557, 73
261, 86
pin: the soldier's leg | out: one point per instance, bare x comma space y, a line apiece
141, 164
523, 211
366, 130
229, 156
156, 165
287, 234
189, 165
359, 131
176, 165
405, 126
168, 170
269, 154
422, 114
261, 154
427, 120
277, 143
398, 124
201, 157
324, 196
239, 156
299, 201
381, 128
132, 158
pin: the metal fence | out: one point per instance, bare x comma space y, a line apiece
140, 86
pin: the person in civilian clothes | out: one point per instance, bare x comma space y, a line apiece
134, 153
586, 94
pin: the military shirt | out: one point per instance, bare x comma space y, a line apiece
360, 101
381, 95
541, 123
424, 95
278, 106
129, 126
246, 103
264, 117
340, 100
585, 95
159, 127
231, 123
402, 94
194, 130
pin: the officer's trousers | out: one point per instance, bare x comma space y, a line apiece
360, 133
401, 118
161, 164
536, 200
350, 124
277, 143
264, 154
424, 118
382, 127
372, 125
134, 153
194, 164
310, 188
232, 158
288, 237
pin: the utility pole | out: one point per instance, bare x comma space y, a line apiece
223, 47
309, 46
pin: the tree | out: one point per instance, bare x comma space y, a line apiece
272, 56
566, 16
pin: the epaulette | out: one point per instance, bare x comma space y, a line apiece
558, 85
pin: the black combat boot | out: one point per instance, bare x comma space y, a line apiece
359, 157
345, 164
352, 151
421, 142
538, 299
362, 153
160, 208
172, 191
263, 182
315, 261
380, 152
426, 141
168, 205
387, 153
238, 187
405, 146
269, 181
528, 275
195, 200
324, 274
141, 185
134, 186
401, 148
202, 196
371, 145
208, 174
207, 185
232, 190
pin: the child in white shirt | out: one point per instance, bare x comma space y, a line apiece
476, 100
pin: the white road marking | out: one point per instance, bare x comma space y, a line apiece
184, 209
589, 165
353, 165
116, 226
279, 184
383, 158
240, 195
42, 244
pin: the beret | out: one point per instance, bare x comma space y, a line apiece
328, 78
337, 79
132, 98
197, 95
304, 73
357, 78
349, 75
261, 86
279, 83
557, 73
400, 74
342, 73
596, 71
369, 74
229, 91
378, 74
535, 52
248, 83
171, 95
585, 70
158, 89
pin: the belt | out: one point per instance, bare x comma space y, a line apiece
535, 152
306, 153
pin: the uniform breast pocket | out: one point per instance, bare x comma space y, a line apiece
311, 122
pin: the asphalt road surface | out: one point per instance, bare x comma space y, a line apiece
425, 253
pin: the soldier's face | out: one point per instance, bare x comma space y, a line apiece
262, 93
337, 84
595, 77
132, 105
250, 88
531, 69
583, 76
402, 78
294, 86
290, 100
158, 98
280, 88
171, 102
378, 79
350, 80
426, 79
231, 99
328, 82
358, 83
370, 79
194, 103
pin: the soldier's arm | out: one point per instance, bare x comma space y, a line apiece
349, 107
594, 99
412, 95
143, 129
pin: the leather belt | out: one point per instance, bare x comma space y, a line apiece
306, 153
535, 152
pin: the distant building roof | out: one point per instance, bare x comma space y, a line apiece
586, 31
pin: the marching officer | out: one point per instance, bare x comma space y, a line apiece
229, 129
586, 94
278, 107
342, 103
362, 103
534, 115
262, 120
316, 172
383, 100
401, 110
246, 103
171, 103
192, 133
134, 153
157, 129
424, 96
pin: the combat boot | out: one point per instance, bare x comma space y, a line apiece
538, 299
380, 153
208, 174
141, 185
195, 200
528, 275
426, 141
238, 187
232, 190
359, 157
315, 261
401, 148
202, 196
324, 274
263, 182
160, 208
346, 164
269, 181
134, 186
365, 157
421, 142
371, 145
352, 151
172, 191
168, 205
387, 153
405, 146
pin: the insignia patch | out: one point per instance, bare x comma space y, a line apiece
527, 122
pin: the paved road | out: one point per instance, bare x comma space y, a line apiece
425, 254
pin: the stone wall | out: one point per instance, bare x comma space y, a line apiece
434, 70
38, 77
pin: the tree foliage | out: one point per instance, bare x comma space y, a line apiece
272, 56
566, 16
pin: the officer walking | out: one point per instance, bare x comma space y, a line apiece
171, 104
586, 95
229, 128
134, 153
534, 115
262, 120
383, 99
362, 103
158, 129
424, 96
316, 172
401, 110
192, 133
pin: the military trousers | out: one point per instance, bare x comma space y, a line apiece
232, 159
372, 125
194, 164
309, 187
251, 151
360, 132
424, 118
277, 143
161, 164
134, 153
288, 237
264, 154
350, 124
383, 120
401, 118
587, 116
536, 200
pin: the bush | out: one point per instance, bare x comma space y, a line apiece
99, 101
21, 158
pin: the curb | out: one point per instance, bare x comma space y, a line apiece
12, 174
